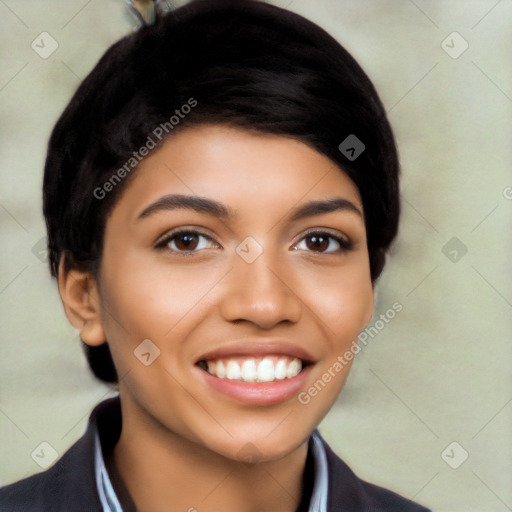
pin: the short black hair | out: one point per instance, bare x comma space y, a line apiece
242, 63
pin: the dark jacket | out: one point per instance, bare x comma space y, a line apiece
70, 485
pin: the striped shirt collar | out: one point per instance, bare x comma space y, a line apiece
110, 502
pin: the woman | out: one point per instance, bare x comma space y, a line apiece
219, 194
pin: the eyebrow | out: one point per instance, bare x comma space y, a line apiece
196, 203
217, 209
324, 206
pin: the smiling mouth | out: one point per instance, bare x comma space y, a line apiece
269, 368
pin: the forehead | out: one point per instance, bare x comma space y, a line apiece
246, 170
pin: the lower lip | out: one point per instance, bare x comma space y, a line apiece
258, 393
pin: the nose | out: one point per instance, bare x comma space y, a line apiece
261, 293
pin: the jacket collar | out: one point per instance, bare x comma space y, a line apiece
71, 486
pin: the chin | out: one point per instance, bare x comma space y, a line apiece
261, 448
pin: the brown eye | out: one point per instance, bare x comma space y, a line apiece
317, 243
187, 242
323, 243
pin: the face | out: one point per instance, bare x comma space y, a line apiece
240, 258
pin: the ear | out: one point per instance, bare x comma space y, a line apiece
82, 303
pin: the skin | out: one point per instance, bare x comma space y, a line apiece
181, 439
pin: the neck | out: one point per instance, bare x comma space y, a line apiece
161, 468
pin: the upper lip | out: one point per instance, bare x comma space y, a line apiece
258, 348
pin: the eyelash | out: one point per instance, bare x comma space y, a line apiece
163, 244
344, 243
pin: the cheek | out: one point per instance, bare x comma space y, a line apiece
343, 301
147, 300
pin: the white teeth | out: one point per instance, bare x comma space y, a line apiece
249, 371
233, 370
221, 370
266, 371
269, 369
293, 368
280, 369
